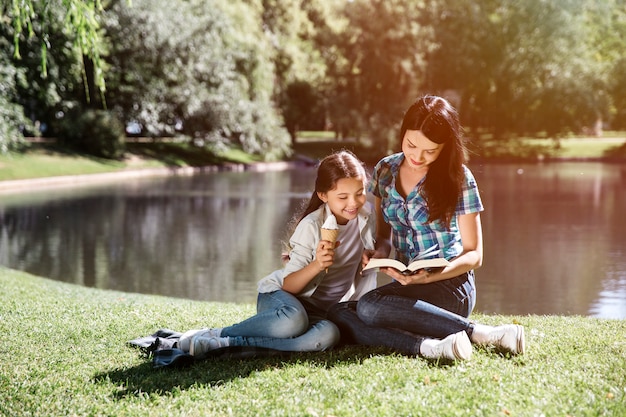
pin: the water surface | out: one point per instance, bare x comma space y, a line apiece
554, 234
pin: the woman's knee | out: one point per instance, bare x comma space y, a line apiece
368, 307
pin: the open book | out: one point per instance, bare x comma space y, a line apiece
429, 264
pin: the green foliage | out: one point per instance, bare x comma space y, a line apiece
525, 67
80, 18
302, 108
12, 118
236, 73
207, 70
13, 121
375, 64
94, 132
71, 351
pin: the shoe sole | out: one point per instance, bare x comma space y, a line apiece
462, 347
192, 346
521, 340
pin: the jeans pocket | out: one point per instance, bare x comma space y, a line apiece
462, 288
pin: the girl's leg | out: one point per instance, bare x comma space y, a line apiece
279, 315
297, 335
355, 331
432, 310
281, 323
321, 335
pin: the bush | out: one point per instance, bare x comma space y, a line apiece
11, 120
95, 132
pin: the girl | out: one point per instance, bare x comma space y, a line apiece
292, 302
427, 206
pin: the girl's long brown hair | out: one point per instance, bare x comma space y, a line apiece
443, 184
336, 166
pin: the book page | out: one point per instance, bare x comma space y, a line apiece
428, 263
413, 266
384, 262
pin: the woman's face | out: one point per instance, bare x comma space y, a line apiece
419, 151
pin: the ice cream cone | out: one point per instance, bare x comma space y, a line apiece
329, 235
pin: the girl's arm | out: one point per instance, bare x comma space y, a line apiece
297, 280
471, 257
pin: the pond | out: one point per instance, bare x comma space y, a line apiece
554, 235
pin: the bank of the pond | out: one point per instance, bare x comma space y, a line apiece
64, 352
45, 165
20, 185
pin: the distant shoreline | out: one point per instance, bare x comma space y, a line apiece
10, 186
17, 186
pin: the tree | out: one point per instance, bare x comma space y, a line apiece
207, 71
375, 67
81, 18
12, 117
520, 67
299, 67
606, 22
51, 43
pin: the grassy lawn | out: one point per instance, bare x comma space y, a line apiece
584, 147
44, 160
64, 354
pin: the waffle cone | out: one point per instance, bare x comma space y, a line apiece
330, 234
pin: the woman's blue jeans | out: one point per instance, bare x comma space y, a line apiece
284, 323
401, 316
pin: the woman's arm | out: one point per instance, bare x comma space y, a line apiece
471, 258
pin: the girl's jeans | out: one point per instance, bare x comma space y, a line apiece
401, 316
283, 323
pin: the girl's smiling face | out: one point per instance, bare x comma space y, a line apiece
346, 199
419, 151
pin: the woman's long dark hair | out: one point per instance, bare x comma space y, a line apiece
443, 184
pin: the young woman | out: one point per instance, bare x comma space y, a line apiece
292, 302
427, 206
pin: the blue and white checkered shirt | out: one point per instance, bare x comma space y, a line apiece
413, 237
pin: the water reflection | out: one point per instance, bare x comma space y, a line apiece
555, 235
206, 237
555, 239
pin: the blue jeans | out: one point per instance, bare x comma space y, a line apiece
284, 323
401, 316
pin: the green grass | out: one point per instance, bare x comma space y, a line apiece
609, 147
583, 147
46, 164
64, 353
313, 135
46, 160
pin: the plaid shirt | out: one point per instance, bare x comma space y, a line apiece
412, 236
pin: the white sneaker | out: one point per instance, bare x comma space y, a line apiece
185, 339
200, 346
509, 337
456, 346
